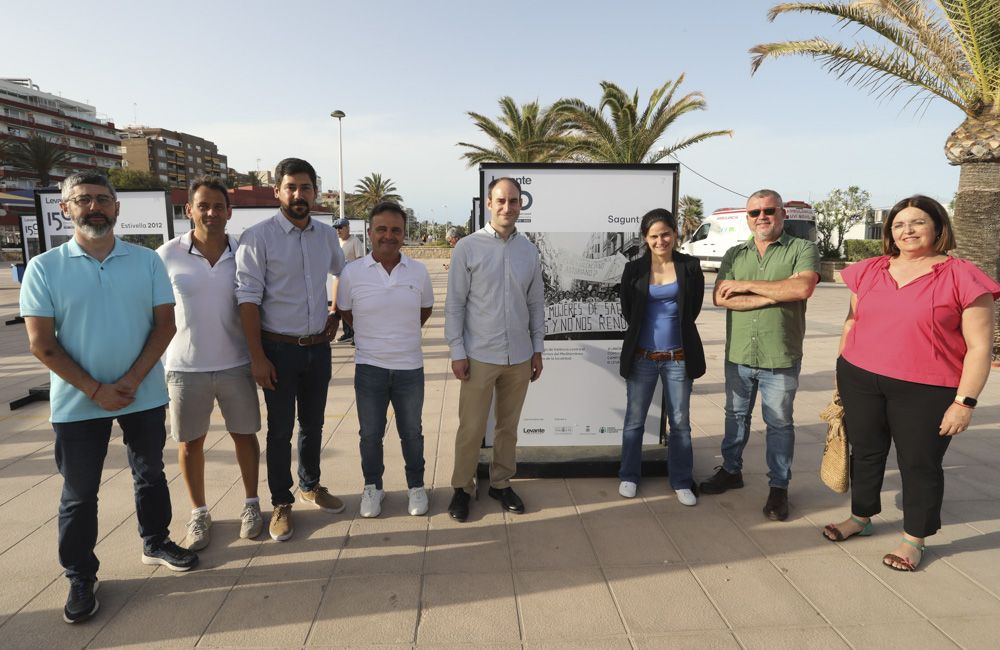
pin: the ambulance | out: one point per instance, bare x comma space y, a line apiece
727, 227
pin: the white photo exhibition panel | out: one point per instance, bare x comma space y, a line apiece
585, 222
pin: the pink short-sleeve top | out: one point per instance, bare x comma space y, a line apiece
913, 332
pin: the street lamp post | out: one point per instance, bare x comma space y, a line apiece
340, 115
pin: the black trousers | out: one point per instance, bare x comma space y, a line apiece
879, 411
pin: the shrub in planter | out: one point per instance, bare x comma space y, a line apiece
860, 249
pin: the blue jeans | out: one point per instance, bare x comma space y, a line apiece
303, 378
677, 391
80, 451
375, 388
777, 390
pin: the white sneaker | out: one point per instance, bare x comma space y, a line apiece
251, 521
627, 489
197, 530
686, 497
418, 501
371, 501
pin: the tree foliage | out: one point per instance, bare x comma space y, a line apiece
952, 52
370, 191
124, 178
836, 214
692, 213
618, 130
38, 156
522, 134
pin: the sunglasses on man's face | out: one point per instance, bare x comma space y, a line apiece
753, 214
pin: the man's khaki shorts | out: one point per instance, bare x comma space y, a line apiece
193, 395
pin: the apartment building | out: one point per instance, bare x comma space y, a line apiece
26, 111
175, 157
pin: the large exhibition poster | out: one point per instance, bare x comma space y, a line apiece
144, 218
584, 219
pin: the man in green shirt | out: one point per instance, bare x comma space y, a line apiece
764, 284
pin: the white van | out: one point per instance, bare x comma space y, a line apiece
728, 227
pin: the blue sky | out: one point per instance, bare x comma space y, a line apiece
260, 79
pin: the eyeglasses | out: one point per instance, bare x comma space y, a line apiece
753, 214
102, 200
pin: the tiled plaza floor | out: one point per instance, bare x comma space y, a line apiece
582, 568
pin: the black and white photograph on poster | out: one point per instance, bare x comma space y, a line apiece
582, 272
145, 218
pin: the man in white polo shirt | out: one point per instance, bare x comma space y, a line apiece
208, 359
390, 297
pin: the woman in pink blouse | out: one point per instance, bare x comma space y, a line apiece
914, 356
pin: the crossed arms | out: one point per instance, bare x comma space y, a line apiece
744, 295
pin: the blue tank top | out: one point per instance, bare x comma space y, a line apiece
661, 326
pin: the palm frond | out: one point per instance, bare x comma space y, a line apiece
951, 52
882, 72
616, 131
522, 133
687, 142
976, 24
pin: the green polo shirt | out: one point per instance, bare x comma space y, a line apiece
768, 337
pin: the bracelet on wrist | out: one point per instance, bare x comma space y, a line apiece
92, 395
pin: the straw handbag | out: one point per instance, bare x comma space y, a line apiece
835, 468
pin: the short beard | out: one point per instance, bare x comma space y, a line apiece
96, 232
291, 213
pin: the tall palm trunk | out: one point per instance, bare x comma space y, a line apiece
975, 146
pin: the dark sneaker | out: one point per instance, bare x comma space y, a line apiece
345, 338
81, 603
721, 482
171, 556
776, 507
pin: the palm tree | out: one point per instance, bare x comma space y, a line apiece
692, 212
525, 134
950, 52
39, 156
372, 190
617, 132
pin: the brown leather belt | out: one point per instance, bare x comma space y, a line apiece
670, 355
301, 341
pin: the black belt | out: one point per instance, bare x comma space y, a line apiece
301, 341
669, 355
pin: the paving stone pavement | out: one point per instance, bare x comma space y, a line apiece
582, 568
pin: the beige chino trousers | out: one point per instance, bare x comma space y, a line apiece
510, 383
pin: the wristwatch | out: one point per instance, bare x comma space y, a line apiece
966, 401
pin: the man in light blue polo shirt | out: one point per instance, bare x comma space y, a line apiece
99, 314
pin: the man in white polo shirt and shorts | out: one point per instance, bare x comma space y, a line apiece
208, 358
389, 298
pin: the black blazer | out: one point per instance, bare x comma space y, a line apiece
634, 294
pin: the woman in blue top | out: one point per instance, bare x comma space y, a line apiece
661, 296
